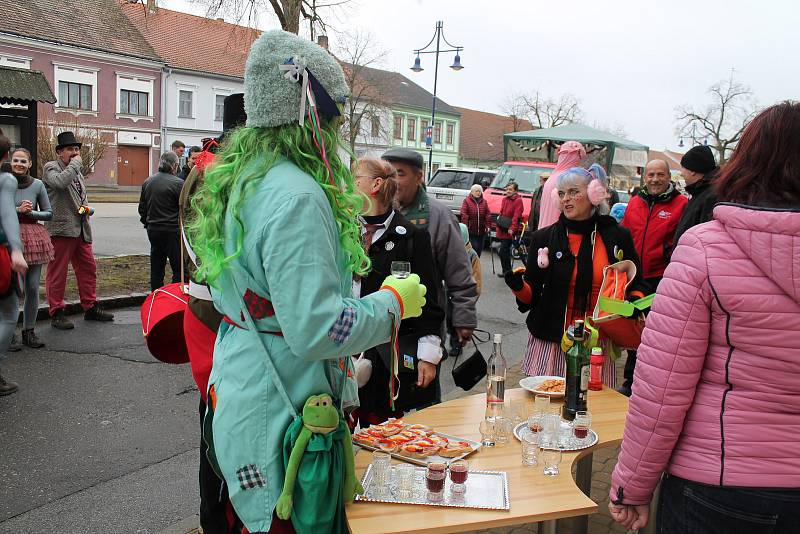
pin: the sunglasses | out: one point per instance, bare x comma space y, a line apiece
17, 160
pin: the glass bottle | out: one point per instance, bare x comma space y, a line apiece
577, 373
496, 380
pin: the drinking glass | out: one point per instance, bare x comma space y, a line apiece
542, 403
459, 471
530, 448
401, 269
503, 427
381, 468
487, 433
581, 426
551, 424
551, 458
404, 479
434, 480
518, 413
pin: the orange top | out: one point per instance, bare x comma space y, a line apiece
600, 262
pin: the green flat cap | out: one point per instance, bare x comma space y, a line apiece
273, 99
404, 155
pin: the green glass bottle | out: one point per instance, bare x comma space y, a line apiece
578, 359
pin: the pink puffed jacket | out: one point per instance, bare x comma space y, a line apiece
716, 396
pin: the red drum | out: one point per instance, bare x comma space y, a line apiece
162, 323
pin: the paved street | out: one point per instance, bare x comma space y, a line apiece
116, 230
102, 438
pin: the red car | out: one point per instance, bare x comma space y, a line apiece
526, 174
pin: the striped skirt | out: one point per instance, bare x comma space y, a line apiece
546, 358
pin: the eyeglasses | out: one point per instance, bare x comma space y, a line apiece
17, 160
571, 193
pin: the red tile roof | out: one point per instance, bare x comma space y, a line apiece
482, 134
673, 159
95, 25
194, 43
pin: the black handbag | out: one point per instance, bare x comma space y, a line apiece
410, 395
471, 370
503, 222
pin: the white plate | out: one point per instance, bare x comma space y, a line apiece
532, 382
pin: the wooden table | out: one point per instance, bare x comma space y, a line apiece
534, 497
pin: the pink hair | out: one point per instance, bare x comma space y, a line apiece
597, 192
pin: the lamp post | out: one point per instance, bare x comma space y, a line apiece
438, 36
693, 136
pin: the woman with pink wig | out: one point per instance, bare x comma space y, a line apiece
562, 280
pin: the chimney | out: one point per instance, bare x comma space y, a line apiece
151, 7
322, 41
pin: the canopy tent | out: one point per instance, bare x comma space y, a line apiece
542, 144
20, 92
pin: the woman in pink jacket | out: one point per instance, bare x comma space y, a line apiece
716, 399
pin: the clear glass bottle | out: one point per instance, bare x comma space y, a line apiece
496, 380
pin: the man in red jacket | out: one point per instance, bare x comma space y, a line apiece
652, 217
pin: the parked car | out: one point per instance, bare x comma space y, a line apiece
526, 174
451, 185
624, 196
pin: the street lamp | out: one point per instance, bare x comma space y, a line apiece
693, 136
438, 36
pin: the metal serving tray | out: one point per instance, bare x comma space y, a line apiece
590, 441
486, 490
425, 461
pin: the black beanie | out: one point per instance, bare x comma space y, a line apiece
699, 159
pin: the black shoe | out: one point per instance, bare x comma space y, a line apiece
14, 346
60, 321
30, 339
501, 275
95, 313
6, 387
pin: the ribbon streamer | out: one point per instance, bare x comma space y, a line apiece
296, 71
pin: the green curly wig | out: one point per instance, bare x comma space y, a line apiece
243, 162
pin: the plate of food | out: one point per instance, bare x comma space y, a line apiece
418, 444
545, 385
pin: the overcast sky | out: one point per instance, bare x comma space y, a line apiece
629, 63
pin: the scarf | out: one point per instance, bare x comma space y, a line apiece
418, 212
584, 261
666, 196
23, 180
570, 155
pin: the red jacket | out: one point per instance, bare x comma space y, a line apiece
511, 207
476, 215
652, 222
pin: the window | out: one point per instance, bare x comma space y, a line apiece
452, 179
450, 131
411, 129
74, 95
133, 102
423, 130
437, 133
185, 104
219, 107
376, 126
398, 127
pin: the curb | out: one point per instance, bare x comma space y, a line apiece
73, 307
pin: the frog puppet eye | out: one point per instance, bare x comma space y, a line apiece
325, 402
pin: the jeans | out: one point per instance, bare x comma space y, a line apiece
164, 244
505, 254
687, 507
477, 243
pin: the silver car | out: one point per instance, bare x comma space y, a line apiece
451, 184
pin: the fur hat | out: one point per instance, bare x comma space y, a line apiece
273, 99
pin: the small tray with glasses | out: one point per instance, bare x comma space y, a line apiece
566, 442
487, 490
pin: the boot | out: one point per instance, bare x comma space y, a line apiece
14, 346
96, 313
7, 388
60, 321
30, 339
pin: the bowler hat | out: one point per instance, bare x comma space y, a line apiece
66, 139
403, 155
699, 159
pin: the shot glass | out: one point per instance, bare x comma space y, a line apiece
401, 269
404, 480
535, 424
581, 426
541, 404
517, 411
551, 458
459, 471
381, 469
530, 448
487, 429
434, 480
503, 427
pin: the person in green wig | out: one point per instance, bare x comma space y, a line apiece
277, 236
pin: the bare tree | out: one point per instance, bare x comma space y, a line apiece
544, 112
369, 99
517, 111
93, 140
723, 120
288, 12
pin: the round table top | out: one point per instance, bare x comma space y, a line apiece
534, 497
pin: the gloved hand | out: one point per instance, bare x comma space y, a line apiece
409, 292
514, 279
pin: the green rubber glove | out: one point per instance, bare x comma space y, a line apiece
409, 292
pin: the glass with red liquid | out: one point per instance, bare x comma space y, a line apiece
459, 470
434, 480
580, 426
535, 423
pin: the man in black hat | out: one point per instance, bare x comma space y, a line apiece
71, 234
699, 170
452, 261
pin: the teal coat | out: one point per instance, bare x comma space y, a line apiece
293, 257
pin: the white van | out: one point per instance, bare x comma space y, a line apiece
451, 184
